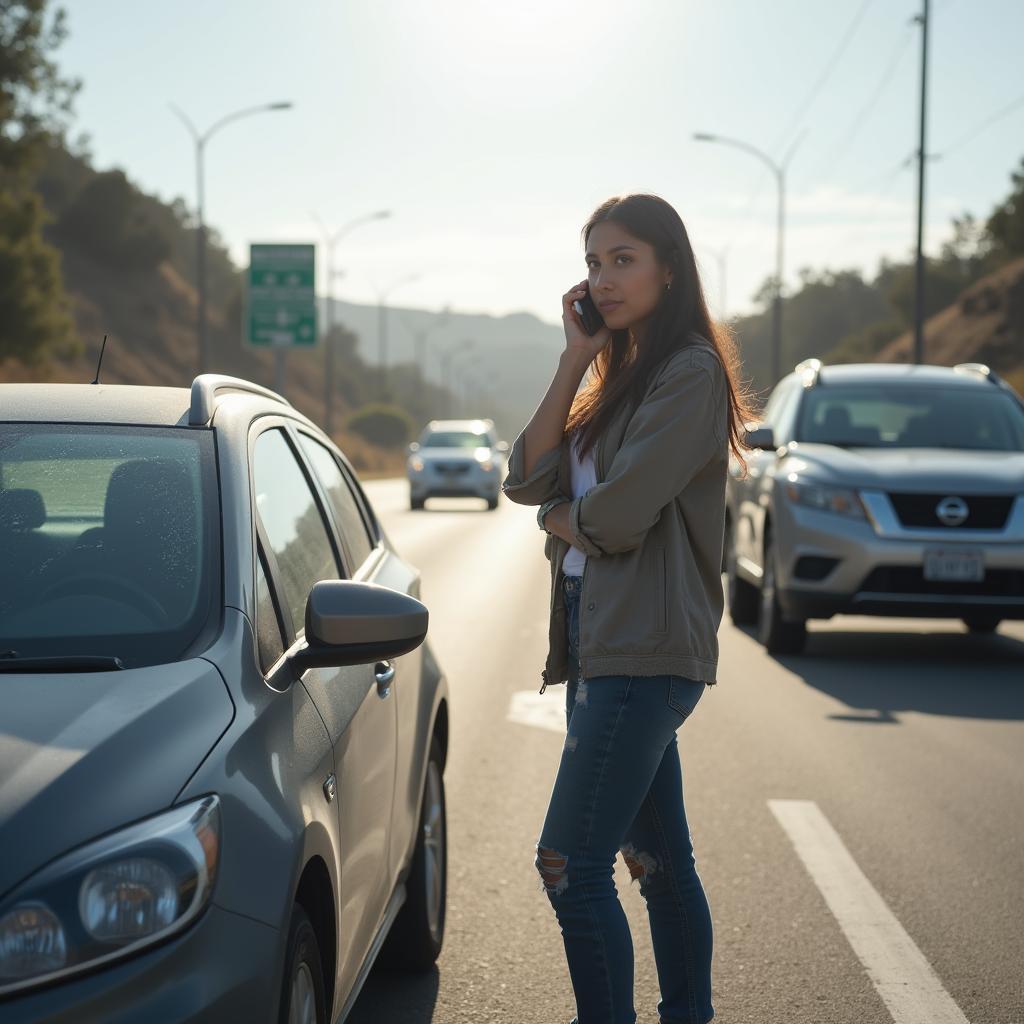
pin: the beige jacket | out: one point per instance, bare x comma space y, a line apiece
652, 529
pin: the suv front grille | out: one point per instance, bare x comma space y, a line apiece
985, 511
909, 579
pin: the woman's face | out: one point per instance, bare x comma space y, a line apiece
626, 280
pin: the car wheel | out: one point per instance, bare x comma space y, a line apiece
982, 623
303, 999
742, 596
416, 503
492, 503
778, 635
415, 939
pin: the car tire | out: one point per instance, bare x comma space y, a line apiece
415, 504
981, 623
415, 939
303, 996
742, 596
778, 635
492, 503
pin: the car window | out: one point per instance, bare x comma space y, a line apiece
916, 416
269, 641
775, 401
785, 415
109, 540
346, 509
293, 523
455, 439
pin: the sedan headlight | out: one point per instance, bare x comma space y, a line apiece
811, 494
111, 897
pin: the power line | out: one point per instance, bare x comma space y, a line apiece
828, 70
983, 126
890, 69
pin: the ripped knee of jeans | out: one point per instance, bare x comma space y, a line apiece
553, 866
641, 864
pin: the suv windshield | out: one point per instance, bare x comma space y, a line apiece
109, 541
455, 439
896, 416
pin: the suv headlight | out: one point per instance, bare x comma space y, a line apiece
811, 494
111, 897
416, 464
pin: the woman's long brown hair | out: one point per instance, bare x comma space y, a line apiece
622, 370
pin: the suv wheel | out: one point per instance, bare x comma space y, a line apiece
302, 994
778, 635
414, 941
982, 623
742, 596
416, 503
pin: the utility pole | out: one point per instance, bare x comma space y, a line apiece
919, 274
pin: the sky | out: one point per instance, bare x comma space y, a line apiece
491, 130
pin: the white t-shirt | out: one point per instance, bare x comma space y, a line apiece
582, 476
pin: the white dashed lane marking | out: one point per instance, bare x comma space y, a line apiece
909, 987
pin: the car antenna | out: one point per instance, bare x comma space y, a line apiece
100, 363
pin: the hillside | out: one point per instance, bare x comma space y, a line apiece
984, 325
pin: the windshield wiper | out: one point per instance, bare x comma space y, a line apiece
10, 662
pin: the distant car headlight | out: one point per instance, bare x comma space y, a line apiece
811, 494
485, 459
416, 464
111, 897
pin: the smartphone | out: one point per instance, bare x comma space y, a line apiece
589, 314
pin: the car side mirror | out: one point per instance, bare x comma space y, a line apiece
761, 437
354, 623
414, 446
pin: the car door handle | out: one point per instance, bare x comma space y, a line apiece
384, 673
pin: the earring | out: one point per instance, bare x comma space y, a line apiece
668, 287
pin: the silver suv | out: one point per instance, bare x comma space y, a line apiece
879, 489
456, 459
223, 733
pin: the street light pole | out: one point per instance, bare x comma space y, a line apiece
919, 269
779, 170
382, 327
200, 140
331, 239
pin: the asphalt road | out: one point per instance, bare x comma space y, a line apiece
895, 891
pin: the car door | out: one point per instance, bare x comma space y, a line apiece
300, 547
374, 561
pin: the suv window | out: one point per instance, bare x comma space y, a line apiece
109, 540
456, 439
294, 525
343, 502
913, 416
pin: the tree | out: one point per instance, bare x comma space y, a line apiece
1006, 225
34, 105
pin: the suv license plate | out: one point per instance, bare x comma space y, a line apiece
960, 566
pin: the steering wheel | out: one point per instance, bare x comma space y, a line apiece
117, 586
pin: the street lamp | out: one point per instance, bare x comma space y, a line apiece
200, 139
331, 239
382, 325
779, 170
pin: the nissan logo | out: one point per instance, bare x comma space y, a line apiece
952, 511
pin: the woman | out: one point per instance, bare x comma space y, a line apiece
629, 474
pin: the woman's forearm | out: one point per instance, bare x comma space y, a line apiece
546, 426
557, 522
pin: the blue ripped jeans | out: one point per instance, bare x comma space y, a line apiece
619, 789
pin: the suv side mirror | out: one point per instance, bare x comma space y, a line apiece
352, 623
760, 437
414, 446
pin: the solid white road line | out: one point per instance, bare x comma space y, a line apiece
910, 989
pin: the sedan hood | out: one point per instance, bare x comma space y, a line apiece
82, 754
469, 454
926, 470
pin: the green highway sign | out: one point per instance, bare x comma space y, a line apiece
281, 301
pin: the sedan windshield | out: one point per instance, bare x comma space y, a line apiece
881, 415
109, 541
455, 439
